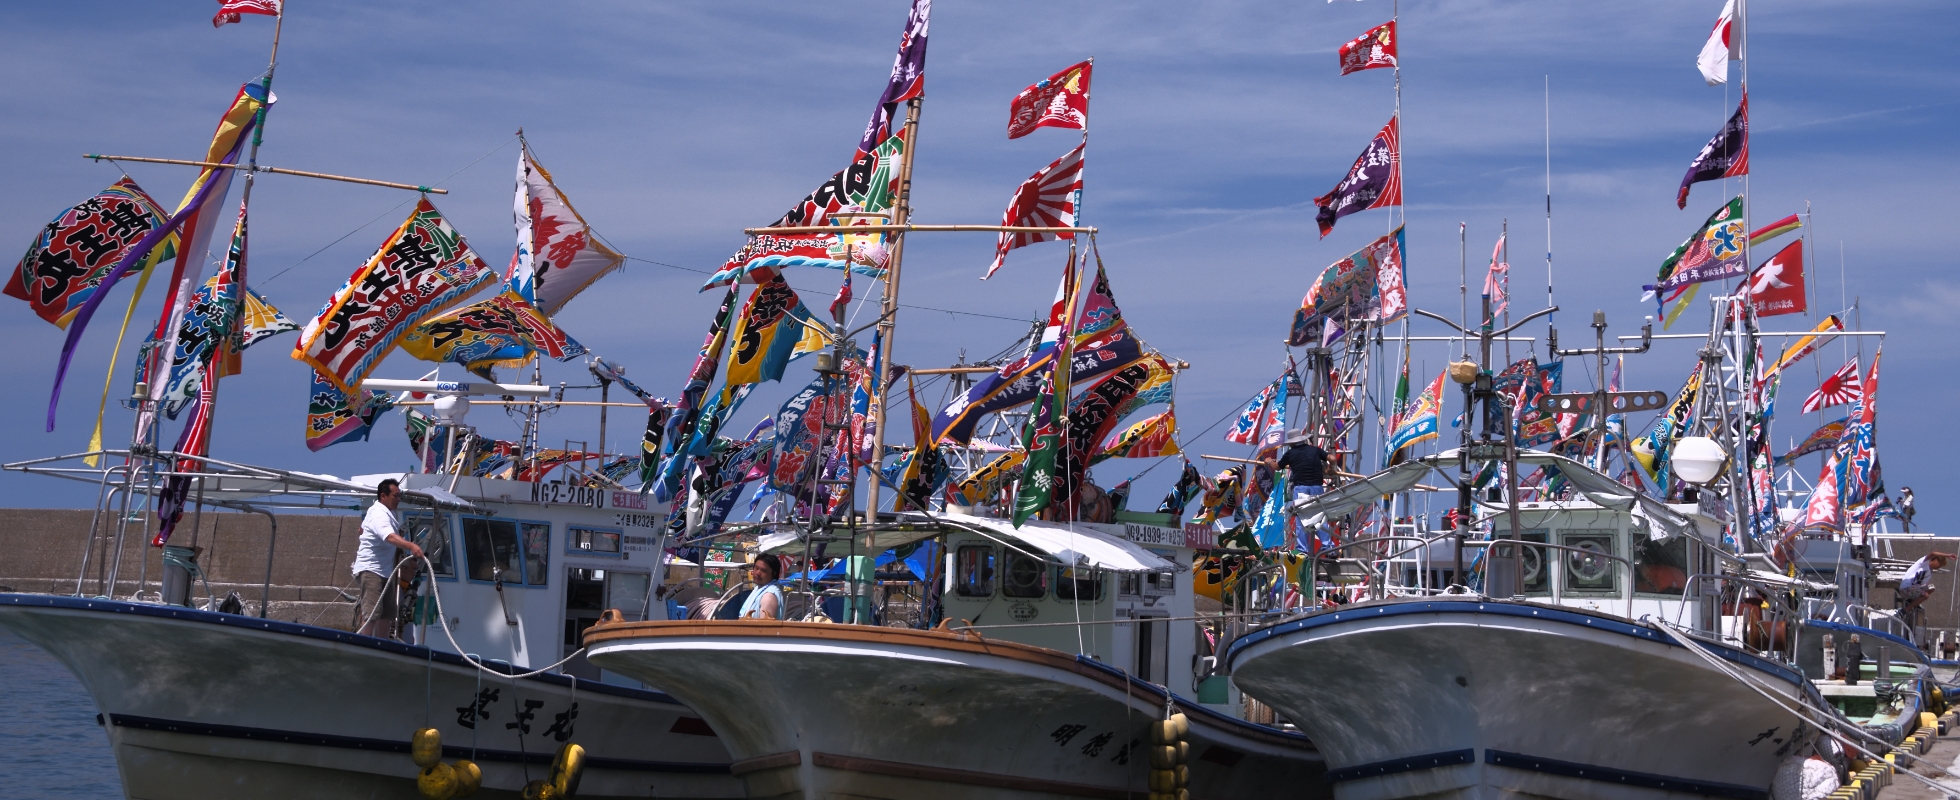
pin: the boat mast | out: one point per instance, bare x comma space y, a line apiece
888, 307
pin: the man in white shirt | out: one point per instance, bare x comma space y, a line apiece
375, 559
1917, 585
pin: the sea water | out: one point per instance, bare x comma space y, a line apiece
50, 745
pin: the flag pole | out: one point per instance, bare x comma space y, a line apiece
1401, 145
888, 305
234, 338
1548, 203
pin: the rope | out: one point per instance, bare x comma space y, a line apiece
443, 618
1828, 715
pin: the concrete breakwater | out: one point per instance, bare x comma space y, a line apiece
44, 550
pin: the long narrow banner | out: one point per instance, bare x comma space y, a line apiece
423, 268
1371, 283
1823, 334
501, 331
225, 147
869, 184
1375, 180
1016, 383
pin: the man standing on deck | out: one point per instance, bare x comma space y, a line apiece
1306, 470
1906, 509
375, 559
1917, 586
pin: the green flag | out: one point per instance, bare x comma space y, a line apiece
1044, 440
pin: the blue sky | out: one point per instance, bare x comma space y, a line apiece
674, 126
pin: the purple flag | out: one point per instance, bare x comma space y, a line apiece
1375, 180
908, 77
1725, 156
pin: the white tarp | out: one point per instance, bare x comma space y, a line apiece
1595, 485
1080, 547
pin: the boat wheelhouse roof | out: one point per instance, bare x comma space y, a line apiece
1595, 486
242, 486
1081, 545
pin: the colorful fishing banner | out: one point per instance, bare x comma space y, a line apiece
650, 445
908, 76
1824, 438
1823, 334
1158, 388
557, 253
1714, 252
502, 331
1372, 50
799, 429
1777, 287
1725, 156
1014, 384
924, 469
72, 254
1418, 423
424, 267
1047, 199
1653, 450
1369, 284
1038, 474
1091, 416
868, 185
1245, 429
1190, 482
212, 182
206, 328
1061, 101
986, 482
1151, 438
767, 330
331, 418
1375, 180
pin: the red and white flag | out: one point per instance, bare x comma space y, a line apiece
1821, 509
1062, 101
229, 11
1717, 52
1045, 200
1841, 387
1372, 50
1777, 285
1498, 278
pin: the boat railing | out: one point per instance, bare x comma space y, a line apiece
1493, 544
1778, 620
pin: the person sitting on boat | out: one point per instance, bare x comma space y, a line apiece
375, 559
1917, 585
766, 602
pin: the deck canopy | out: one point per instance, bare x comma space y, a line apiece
1596, 486
1079, 546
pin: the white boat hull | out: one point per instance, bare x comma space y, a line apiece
825, 711
203, 705
1469, 699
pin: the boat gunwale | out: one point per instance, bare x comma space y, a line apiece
1508, 608
958, 641
390, 646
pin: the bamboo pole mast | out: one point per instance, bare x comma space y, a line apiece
888, 307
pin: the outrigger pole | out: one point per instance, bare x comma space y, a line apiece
253, 167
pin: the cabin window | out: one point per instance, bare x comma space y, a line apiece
515, 553
974, 570
1589, 568
537, 551
432, 534
1025, 576
1073, 584
1532, 563
1660, 567
581, 541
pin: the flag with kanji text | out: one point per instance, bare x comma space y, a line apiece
907, 79
1777, 287
1725, 156
869, 185
422, 269
503, 331
70, 256
1713, 252
230, 11
1418, 422
1375, 180
1372, 50
1153, 437
1060, 101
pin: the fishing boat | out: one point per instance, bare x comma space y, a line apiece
525, 545
1052, 638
